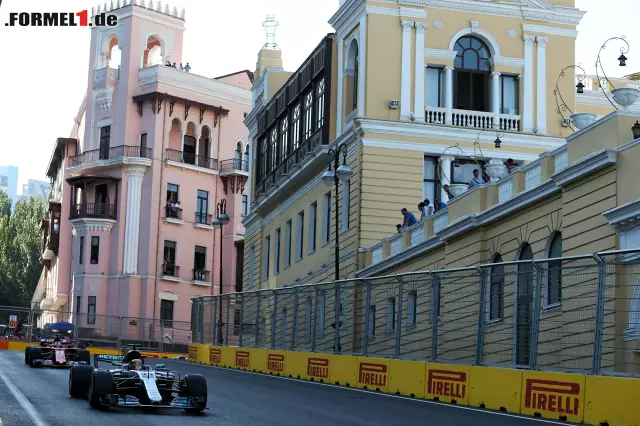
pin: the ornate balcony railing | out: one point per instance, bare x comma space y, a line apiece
120, 151
93, 210
472, 119
234, 164
190, 158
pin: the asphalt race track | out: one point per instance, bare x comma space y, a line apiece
39, 397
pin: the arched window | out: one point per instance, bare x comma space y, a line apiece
153, 53
471, 77
524, 305
553, 295
496, 290
353, 65
245, 159
238, 156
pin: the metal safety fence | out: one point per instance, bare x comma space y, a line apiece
578, 313
105, 331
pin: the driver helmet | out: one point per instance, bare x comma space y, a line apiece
136, 364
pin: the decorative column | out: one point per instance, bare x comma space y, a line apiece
419, 73
405, 79
448, 101
132, 221
495, 93
445, 179
340, 42
527, 104
541, 96
362, 66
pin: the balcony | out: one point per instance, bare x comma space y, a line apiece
170, 272
104, 84
203, 220
201, 275
122, 154
234, 166
473, 119
93, 211
191, 161
173, 215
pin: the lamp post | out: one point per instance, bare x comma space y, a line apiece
222, 218
336, 173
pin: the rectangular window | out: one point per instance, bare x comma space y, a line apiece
169, 264
78, 304
308, 115
300, 245
105, 140
295, 133
276, 254
509, 93
172, 193
91, 310
326, 219
412, 308
166, 313
95, 250
320, 104
434, 87
313, 219
430, 183
202, 207
252, 266
81, 251
267, 248
284, 138
346, 198
143, 144
199, 264
287, 244
274, 148
245, 205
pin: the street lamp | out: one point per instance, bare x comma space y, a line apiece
222, 218
336, 173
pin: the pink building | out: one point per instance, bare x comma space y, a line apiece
135, 188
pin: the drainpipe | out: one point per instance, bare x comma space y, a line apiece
155, 267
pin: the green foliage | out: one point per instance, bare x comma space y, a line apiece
20, 246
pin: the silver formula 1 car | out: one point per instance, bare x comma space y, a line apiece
132, 384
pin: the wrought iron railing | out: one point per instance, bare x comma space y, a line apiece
93, 210
200, 275
191, 158
120, 151
173, 212
170, 270
234, 164
203, 218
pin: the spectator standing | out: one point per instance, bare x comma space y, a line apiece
422, 211
409, 218
477, 180
511, 166
428, 207
448, 192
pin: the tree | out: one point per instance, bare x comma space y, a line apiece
20, 246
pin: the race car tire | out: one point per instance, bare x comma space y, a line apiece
194, 386
84, 356
79, 380
101, 384
34, 354
27, 352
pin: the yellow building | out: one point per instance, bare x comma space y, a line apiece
418, 91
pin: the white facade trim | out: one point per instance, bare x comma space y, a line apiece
420, 70
624, 215
185, 166
105, 164
132, 221
340, 96
564, 32
87, 225
362, 68
456, 134
527, 118
541, 96
436, 150
405, 79
506, 61
597, 98
585, 166
440, 54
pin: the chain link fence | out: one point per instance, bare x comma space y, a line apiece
579, 313
104, 331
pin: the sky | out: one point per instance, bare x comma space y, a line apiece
43, 79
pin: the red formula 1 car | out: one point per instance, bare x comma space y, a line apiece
59, 351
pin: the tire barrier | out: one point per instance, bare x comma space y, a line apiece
577, 398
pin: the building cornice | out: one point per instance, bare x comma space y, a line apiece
564, 32
457, 134
624, 215
585, 166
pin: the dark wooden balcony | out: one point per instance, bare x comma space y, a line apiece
120, 151
93, 210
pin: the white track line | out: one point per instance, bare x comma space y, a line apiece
388, 395
23, 401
